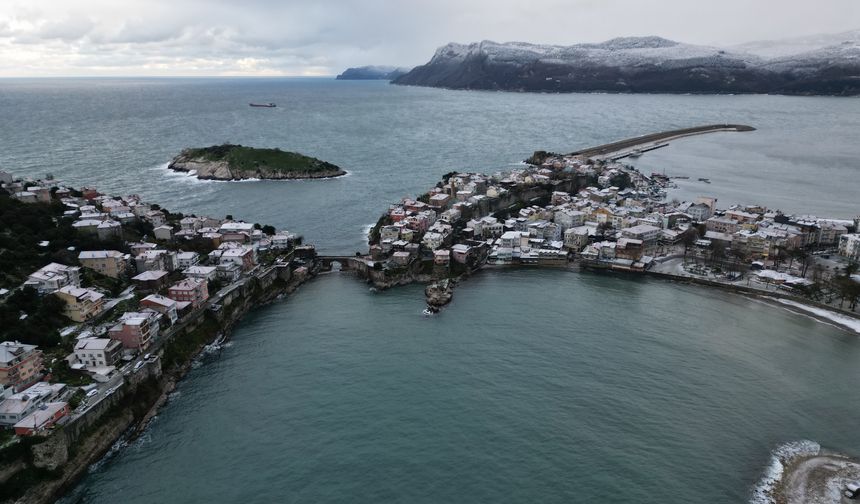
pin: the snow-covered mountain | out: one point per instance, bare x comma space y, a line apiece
819, 65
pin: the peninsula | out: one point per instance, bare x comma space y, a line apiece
589, 209
238, 162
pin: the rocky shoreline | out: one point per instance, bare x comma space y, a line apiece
216, 163
219, 170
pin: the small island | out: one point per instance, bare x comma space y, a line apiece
237, 162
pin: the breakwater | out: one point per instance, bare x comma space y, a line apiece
631, 143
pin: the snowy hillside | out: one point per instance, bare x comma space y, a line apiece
812, 65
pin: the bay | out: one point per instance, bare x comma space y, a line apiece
543, 386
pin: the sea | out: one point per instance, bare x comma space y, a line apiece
533, 385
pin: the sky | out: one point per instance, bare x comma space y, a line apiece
323, 37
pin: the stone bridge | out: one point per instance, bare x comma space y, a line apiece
359, 264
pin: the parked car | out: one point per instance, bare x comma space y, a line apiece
92, 392
138, 365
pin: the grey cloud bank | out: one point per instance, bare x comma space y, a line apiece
302, 37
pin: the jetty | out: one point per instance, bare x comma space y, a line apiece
624, 148
663, 136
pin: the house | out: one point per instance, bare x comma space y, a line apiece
242, 255
849, 246
25, 197
20, 364
461, 253
163, 233
629, 248
400, 258
191, 223
239, 232
42, 419
722, 225
136, 330
193, 290
96, 352
109, 230
155, 217
81, 304
699, 212
283, 240
647, 233
150, 281
830, 232
110, 263
139, 248
187, 259
432, 240
228, 272
439, 200
87, 226
161, 304
207, 273
442, 257
54, 276
156, 259
576, 238
18, 406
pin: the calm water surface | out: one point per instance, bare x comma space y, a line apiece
534, 386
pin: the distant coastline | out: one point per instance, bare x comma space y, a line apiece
645, 65
372, 72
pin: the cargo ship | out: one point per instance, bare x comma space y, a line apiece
264, 105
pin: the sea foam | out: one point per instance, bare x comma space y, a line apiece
783, 454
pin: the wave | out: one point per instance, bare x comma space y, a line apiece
163, 169
837, 318
762, 492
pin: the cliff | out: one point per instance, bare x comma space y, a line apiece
372, 73
830, 66
237, 162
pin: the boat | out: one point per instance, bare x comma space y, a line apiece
635, 154
705, 180
264, 105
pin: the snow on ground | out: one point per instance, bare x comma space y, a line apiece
843, 320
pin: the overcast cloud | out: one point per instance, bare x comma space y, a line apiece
307, 37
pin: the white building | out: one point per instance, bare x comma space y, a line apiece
187, 259
53, 277
203, 272
96, 352
849, 246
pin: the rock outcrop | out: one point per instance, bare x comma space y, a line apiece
439, 294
